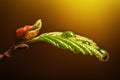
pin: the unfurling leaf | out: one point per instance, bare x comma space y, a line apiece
73, 42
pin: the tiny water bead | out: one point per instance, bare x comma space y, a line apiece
68, 34
86, 42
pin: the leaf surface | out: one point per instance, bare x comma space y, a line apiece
73, 42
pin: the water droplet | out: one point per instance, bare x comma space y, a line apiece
68, 34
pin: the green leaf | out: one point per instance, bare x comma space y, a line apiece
73, 42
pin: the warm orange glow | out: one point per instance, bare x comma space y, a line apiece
96, 19
88, 15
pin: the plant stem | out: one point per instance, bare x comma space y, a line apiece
11, 50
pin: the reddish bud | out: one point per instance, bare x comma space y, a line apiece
21, 31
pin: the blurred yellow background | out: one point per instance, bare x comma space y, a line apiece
96, 19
